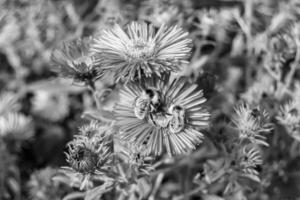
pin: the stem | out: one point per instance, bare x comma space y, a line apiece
190, 193
294, 66
92, 88
158, 181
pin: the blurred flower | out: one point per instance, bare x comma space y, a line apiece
8, 103
160, 12
42, 187
172, 118
72, 60
140, 51
261, 89
15, 126
52, 106
251, 123
289, 116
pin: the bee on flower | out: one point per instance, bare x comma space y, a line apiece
88, 156
251, 123
173, 126
73, 60
139, 51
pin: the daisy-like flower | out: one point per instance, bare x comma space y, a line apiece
140, 51
248, 160
251, 123
8, 103
94, 128
72, 60
16, 126
52, 106
42, 187
88, 156
172, 118
289, 116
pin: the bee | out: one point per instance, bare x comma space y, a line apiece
146, 103
177, 121
160, 119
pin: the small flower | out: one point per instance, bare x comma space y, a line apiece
72, 60
172, 121
248, 160
136, 158
92, 129
51, 106
42, 187
251, 123
289, 116
88, 156
8, 103
16, 126
140, 51
261, 89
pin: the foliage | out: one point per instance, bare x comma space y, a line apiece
151, 99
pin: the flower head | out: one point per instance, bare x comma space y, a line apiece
172, 116
8, 103
16, 127
248, 160
140, 51
52, 106
289, 116
251, 123
88, 156
42, 187
72, 60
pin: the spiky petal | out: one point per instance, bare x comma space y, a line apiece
164, 128
140, 51
72, 60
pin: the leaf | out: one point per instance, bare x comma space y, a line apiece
55, 85
97, 192
211, 197
74, 195
101, 115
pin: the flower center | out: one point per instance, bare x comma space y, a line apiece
139, 49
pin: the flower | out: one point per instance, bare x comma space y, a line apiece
72, 60
8, 103
289, 116
16, 126
52, 106
251, 123
42, 187
88, 156
248, 160
173, 116
140, 51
